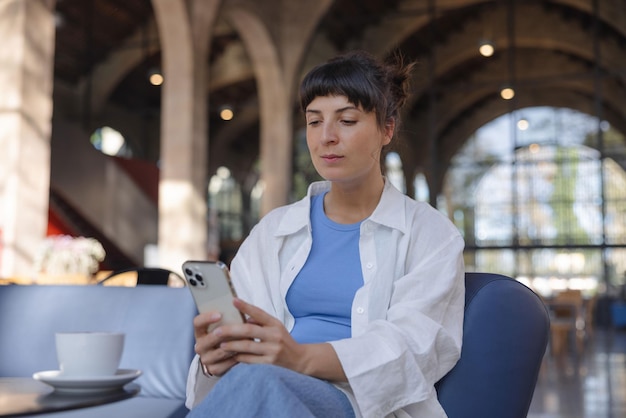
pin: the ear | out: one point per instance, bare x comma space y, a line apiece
390, 127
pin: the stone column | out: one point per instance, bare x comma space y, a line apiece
274, 108
184, 30
275, 43
27, 32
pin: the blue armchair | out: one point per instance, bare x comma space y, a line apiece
506, 331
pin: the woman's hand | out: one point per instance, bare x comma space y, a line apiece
214, 360
263, 339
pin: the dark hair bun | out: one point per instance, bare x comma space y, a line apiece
375, 85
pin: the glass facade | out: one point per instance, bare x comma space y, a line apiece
546, 205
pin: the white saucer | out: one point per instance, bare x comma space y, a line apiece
89, 384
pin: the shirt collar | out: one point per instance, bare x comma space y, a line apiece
297, 215
389, 212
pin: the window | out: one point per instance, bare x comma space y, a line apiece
547, 204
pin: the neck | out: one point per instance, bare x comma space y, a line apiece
348, 204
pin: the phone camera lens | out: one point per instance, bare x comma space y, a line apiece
193, 282
188, 272
199, 277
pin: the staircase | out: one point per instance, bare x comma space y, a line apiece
110, 199
115, 258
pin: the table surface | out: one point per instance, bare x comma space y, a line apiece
24, 396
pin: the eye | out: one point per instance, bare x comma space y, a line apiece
348, 122
313, 122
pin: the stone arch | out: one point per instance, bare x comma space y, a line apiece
413, 16
276, 58
108, 74
273, 105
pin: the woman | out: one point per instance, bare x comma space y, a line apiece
354, 294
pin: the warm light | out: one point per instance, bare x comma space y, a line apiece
522, 124
486, 49
156, 79
534, 148
507, 93
226, 113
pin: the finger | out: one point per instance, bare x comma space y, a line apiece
215, 356
203, 321
256, 315
245, 331
207, 318
237, 347
209, 341
206, 343
219, 369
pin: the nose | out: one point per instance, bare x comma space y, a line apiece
329, 134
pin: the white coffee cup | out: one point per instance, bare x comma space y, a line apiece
85, 354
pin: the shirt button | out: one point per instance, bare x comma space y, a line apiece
369, 265
360, 310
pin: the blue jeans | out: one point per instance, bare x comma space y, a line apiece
263, 390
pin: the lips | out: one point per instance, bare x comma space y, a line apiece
331, 158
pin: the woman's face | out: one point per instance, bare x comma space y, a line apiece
344, 140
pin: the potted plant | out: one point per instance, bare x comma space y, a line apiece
63, 259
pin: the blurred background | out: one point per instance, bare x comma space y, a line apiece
162, 130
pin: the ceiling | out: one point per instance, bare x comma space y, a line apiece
556, 53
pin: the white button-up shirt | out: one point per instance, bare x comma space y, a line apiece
407, 319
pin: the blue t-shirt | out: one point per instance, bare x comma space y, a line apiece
320, 297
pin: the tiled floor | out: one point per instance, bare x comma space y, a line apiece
590, 385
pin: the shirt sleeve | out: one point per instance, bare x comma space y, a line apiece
198, 385
396, 361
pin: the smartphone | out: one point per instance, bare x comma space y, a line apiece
212, 290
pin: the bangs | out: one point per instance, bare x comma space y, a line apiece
340, 78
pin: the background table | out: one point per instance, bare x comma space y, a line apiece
24, 396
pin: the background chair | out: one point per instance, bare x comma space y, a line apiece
143, 276
571, 319
505, 335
